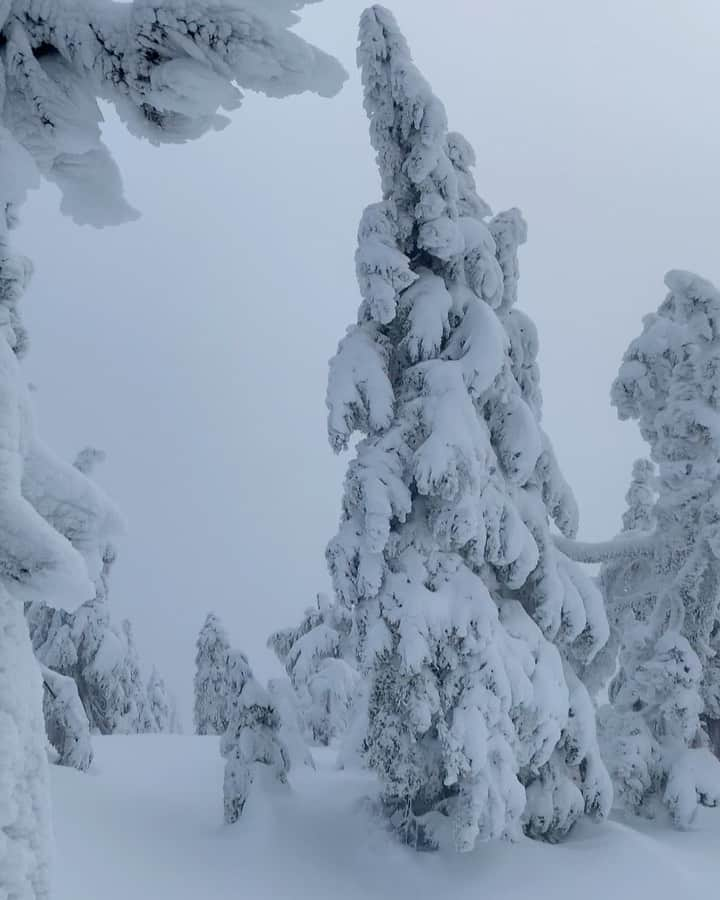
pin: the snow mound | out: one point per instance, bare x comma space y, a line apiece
147, 822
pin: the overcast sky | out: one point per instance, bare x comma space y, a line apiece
192, 345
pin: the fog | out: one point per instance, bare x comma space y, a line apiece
192, 345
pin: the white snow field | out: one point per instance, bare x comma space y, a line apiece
146, 822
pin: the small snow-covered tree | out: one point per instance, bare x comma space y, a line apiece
211, 687
66, 723
252, 747
160, 703
470, 623
666, 603
319, 657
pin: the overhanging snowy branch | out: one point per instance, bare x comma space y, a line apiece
624, 547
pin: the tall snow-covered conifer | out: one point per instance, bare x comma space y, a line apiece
667, 601
469, 620
168, 67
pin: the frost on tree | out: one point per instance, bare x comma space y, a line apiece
470, 623
211, 689
101, 659
252, 747
667, 603
66, 723
168, 68
53, 525
318, 656
84, 644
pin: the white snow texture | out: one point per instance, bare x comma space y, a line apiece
471, 624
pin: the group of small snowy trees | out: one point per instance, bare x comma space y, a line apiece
168, 67
229, 701
106, 693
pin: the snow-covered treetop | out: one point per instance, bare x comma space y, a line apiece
168, 66
408, 130
669, 382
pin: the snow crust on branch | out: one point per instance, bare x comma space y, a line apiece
168, 67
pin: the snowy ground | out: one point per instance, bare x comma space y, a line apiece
147, 823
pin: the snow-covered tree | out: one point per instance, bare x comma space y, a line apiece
66, 723
101, 659
211, 687
319, 657
252, 747
168, 67
665, 603
470, 622
160, 703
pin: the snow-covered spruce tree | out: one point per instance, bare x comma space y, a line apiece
102, 660
252, 747
66, 724
211, 688
83, 644
469, 621
167, 66
319, 657
667, 604
159, 703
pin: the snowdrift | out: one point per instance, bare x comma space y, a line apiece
146, 821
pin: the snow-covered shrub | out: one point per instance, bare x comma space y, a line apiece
66, 723
211, 687
665, 601
319, 657
252, 747
470, 623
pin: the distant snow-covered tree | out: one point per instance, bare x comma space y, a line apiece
470, 623
211, 688
666, 603
66, 723
319, 657
101, 659
160, 703
252, 747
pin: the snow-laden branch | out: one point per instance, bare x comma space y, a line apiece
623, 547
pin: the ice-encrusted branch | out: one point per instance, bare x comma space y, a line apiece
623, 547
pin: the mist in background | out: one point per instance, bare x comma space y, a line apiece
192, 345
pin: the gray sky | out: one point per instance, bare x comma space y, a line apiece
192, 345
